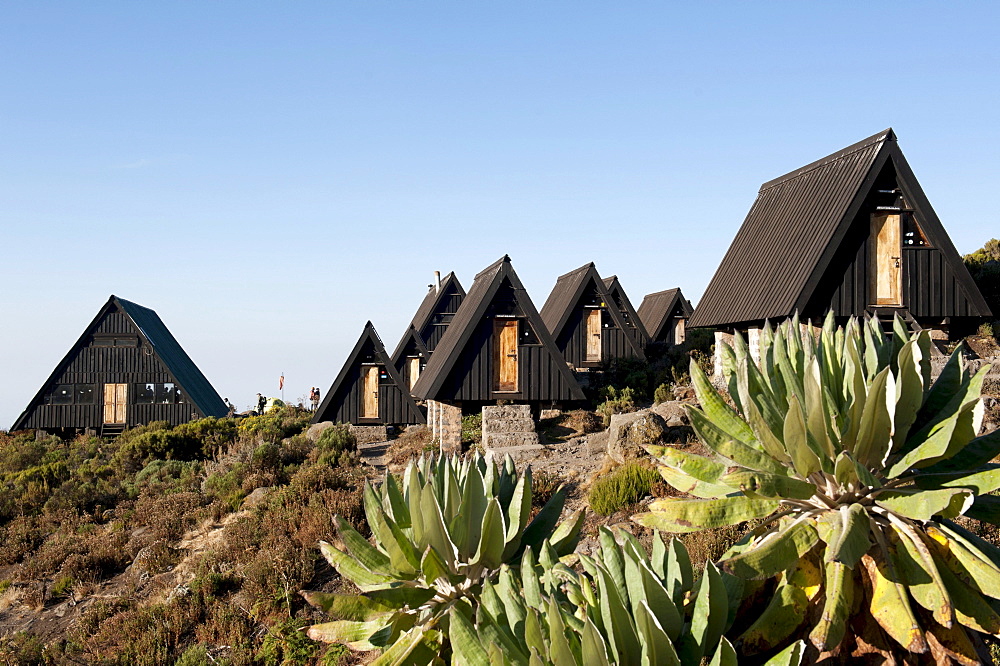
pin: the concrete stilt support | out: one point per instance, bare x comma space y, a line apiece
753, 343
720, 338
445, 422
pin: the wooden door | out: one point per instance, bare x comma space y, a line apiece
369, 392
886, 263
679, 332
414, 370
505, 354
593, 353
115, 399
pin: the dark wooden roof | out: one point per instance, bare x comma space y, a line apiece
368, 334
151, 330
470, 313
794, 228
410, 340
614, 288
656, 309
566, 294
430, 305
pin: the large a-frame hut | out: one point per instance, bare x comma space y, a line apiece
368, 390
428, 326
852, 233
125, 370
633, 323
588, 328
497, 348
664, 315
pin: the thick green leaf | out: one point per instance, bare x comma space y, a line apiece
708, 619
739, 453
490, 552
984, 481
779, 620
679, 574
690, 473
838, 599
567, 534
684, 515
356, 607
433, 567
790, 656
403, 557
520, 506
617, 621
970, 567
848, 540
716, 410
354, 635
872, 445
416, 647
931, 448
540, 529
351, 569
775, 552
560, 651
909, 391
768, 485
394, 503
434, 527
465, 641
971, 608
890, 605
915, 563
692, 486
725, 655
656, 646
594, 651
924, 504
366, 554
973, 455
466, 526
805, 461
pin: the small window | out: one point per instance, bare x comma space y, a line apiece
126, 342
179, 396
102, 341
165, 394
62, 395
528, 335
84, 394
912, 234
145, 394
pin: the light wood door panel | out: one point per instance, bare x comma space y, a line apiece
115, 401
593, 353
886, 260
369, 392
414, 370
505, 354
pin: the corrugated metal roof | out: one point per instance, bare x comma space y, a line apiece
367, 334
472, 310
566, 294
615, 289
197, 387
655, 309
428, 307
784, 236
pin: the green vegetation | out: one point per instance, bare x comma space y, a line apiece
472, 430
75, 514
623, 487
441, 535
859, 466
984, 264
616, 402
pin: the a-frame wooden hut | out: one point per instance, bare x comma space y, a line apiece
125, 370
427, 327
664, 315
497, 348
633, 323
852, 233
368, 390
587, 327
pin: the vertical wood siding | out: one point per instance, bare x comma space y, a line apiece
110, 365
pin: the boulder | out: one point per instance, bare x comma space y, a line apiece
316, 429
629, 433
673, 412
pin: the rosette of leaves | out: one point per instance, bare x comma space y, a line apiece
858, 465
625, 607
439, 535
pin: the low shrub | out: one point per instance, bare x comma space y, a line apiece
333, 444
472, 430
616, 402
662, 394
623, 487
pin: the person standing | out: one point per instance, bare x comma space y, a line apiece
261, 402
314, 398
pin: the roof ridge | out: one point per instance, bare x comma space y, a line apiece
577, 270
884, 135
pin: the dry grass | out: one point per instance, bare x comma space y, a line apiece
411, 443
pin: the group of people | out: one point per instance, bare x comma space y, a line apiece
314, 397
262, 402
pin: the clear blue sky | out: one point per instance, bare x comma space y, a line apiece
269, 176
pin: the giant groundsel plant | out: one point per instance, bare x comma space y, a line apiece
440, 535
854, 466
